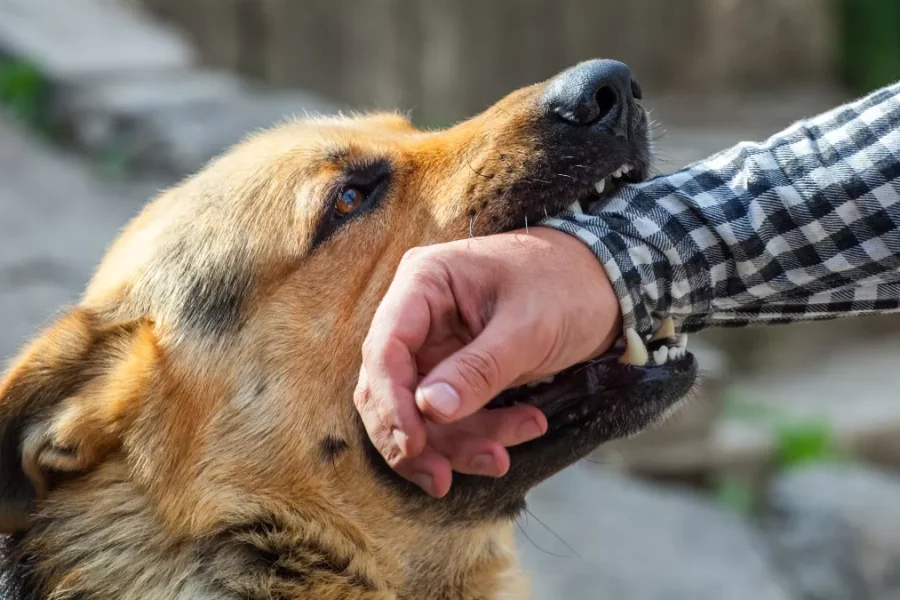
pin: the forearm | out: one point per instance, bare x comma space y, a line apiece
801, 227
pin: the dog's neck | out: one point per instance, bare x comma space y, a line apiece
110, 545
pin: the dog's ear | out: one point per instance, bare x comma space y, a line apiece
64, 404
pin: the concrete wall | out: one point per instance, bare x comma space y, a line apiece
449, 58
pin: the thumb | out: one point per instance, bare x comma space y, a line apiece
464, 382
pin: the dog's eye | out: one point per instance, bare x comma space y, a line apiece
350, 199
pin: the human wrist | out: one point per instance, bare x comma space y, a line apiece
591, 281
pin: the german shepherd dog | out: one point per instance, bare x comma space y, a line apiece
188, 432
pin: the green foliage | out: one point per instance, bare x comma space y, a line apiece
734, 495
23, 91
801, 442
869, 42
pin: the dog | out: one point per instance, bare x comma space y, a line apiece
187, 430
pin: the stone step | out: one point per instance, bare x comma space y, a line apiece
76, 40
127, 89
174, 122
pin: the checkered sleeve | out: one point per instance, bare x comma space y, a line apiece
803, 226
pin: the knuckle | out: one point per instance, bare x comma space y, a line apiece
479, 370
413, 255
392, 455
370, 347
428, 274
362, 398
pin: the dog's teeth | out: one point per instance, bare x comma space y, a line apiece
674, 353
635, 351
575, 207
538, 382
681, 340
660, 355
600, 186
627, 168
665, 331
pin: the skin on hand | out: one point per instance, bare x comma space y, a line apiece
460, 323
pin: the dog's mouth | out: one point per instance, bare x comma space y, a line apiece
635, 383
619, 393
628, 172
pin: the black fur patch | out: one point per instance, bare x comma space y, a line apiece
214, 302
18, 578
331, 447
213, 291
17, 495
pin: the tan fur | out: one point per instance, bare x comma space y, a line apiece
159, 420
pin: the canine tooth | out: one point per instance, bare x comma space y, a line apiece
575, 207
681, 340
660, 355
635, 350
600, 186
665, 331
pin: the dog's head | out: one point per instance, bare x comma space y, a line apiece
202, 390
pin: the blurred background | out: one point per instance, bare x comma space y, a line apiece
778, 481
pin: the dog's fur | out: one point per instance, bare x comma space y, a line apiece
188, 431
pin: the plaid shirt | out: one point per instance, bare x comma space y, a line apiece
801, 227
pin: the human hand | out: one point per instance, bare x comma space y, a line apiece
460, 323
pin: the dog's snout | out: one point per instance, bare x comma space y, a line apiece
596, 91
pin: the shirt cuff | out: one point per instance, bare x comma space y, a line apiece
644, 260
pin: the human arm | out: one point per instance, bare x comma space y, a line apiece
801, 227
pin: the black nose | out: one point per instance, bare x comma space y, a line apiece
595, 91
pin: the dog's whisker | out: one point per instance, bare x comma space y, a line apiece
474, 170
532, 542
472, 221
556, 535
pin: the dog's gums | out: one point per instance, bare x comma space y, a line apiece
188, 432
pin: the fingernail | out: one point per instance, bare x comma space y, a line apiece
402, 441
441, 397
529, 430
424, 481
483, 463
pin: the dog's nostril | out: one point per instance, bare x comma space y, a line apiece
596, 91
636, 92
606, 99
